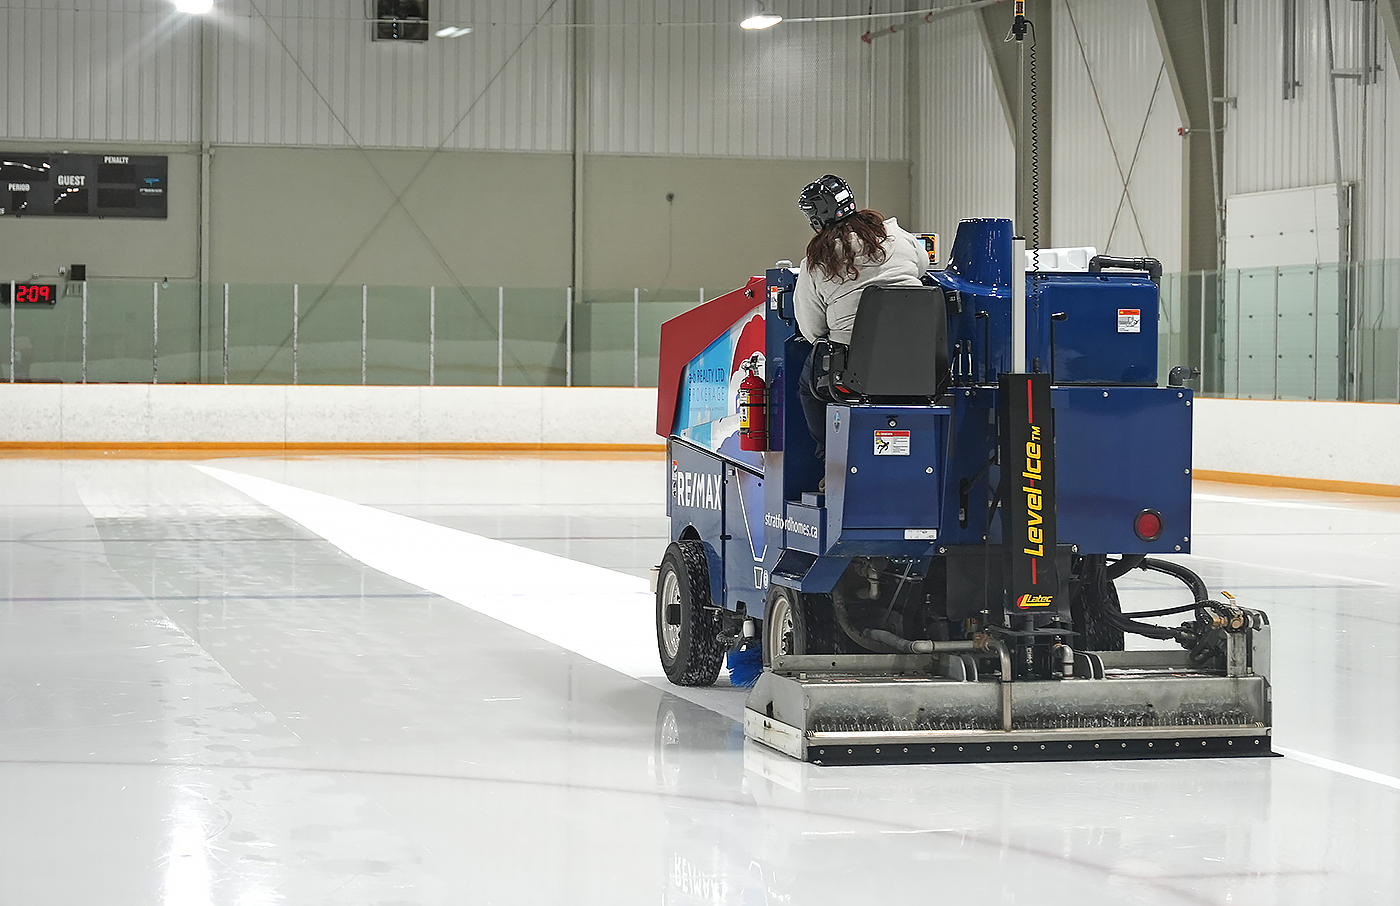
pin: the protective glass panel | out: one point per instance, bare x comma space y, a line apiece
329, 340
1378, 334
603, 324
1256, 339
1297, 333
1171, 337
534, 353
398, 335
465, 349
178, 350
47, 339
257, 334
1203, 335
650, 316
1331, 334
1226, 338
121, 327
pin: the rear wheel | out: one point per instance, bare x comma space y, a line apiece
688, 628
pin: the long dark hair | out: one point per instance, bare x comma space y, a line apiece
835, 249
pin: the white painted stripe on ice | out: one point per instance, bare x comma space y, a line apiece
1336, 766
1273, 504
604, 615
1252, 564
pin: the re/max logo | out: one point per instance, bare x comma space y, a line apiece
696, 489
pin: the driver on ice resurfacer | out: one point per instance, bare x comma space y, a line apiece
852, 250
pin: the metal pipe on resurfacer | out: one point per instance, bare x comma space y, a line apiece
1018, 306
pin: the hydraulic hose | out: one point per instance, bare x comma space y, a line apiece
1124, 565
1192, 581
898, 643
1123, 623
1202, 636
843, 620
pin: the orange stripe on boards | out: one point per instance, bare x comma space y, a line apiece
1305, 484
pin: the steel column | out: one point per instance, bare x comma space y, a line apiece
155, 333
85, 316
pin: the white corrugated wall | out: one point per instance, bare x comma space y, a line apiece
1273, 143
1117, 153
1277, 143
1113, 121
697, 88
305, 73
98, 70
965, 166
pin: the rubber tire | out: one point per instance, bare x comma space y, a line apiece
699, 652
783, 603
1096, 633
813, 625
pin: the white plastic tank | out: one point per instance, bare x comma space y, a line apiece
1065, 260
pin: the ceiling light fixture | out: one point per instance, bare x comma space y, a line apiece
761, 19
452, 31
194, 7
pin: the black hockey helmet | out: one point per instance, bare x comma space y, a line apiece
827, 201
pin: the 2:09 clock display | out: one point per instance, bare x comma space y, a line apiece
31, 293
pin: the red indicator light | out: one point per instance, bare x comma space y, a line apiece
1148, 525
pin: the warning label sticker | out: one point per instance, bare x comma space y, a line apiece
1130, 320
891, 443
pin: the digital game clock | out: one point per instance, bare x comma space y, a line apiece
30, 293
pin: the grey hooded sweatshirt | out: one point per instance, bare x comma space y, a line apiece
827, 308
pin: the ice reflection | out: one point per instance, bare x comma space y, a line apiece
187, 875
749, 825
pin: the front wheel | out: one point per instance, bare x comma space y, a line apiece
784, 625
688, 628
1093, 598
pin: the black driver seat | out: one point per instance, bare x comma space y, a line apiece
898, 350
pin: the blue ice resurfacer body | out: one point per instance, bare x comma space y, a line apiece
941, 586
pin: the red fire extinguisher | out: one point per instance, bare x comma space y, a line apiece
753, 406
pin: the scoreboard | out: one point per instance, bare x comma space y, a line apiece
83, 185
